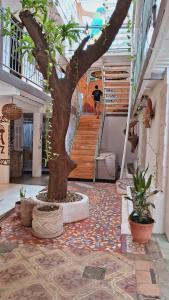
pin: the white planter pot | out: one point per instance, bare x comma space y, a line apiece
47, 224
73, 211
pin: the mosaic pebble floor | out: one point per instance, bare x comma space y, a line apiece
122, 184
42, 269
100, 232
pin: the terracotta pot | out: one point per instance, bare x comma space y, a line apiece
141, 233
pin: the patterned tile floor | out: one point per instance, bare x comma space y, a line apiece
37, 269
37, 273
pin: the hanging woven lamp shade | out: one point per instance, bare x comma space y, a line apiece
11, 111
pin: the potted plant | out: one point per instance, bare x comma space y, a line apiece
22, 194
141, 221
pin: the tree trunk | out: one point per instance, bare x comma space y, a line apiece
59, 171
62, 89
62, 165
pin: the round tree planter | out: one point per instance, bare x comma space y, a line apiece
47, 221
73, 211
141, 233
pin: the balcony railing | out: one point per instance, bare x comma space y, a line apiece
144, 35
12, 60
119, 46
121, 43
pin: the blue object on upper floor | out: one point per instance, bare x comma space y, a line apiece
97, 21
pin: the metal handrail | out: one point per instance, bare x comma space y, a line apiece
71, 140
142, 37
99, 139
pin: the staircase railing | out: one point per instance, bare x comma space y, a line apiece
99, 139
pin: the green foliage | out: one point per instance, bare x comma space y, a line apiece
22, 192
49, 155
55, 34
35, 5
140, 193
129, 25
8, 27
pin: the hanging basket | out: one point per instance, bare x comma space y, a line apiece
11, 111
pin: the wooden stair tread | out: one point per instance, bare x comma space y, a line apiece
82, 158
82, 152
85, 136
84, 145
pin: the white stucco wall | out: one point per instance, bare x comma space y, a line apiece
166, 161
151, 146
13, 4
113, 138
142, 143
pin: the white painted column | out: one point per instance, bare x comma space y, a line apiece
166, 162
37, 145
4, 149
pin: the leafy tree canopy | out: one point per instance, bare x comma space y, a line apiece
55, 34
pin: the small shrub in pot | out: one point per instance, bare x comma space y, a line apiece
141, 221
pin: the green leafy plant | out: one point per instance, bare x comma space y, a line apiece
22, 192
56, 35
140, 194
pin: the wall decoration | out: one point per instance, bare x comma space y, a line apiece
133, 139
4, 142
132, 136
148, 112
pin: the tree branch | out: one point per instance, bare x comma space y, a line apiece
83, 59
72, 67
41, 50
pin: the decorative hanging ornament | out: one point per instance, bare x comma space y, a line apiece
148, 112
11, 111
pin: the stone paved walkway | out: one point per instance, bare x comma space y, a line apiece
40, 272
68, 268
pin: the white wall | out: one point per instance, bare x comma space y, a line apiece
151, 145
13, 4
166, 160
113, 138
155, 134
142, 143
